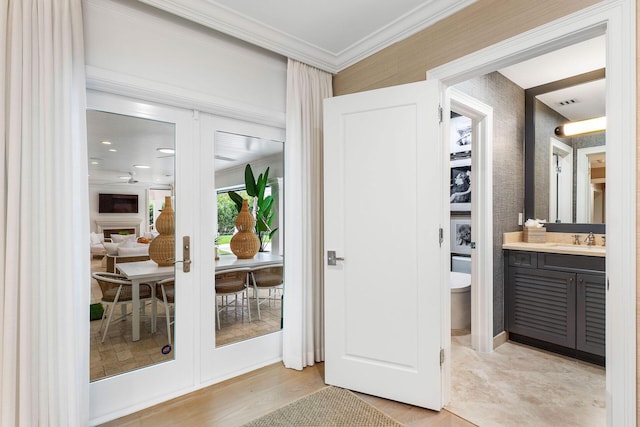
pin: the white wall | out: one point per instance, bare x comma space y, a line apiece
143, 206
153, 48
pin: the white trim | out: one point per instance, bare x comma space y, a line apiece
117, 83
617, 18
583, 182
565, 181
221, 18
481, 216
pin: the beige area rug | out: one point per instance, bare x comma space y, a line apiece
331, 406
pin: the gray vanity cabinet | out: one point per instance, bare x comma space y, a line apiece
542, 305
557, 302
590, 317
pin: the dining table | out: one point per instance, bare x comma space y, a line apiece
150, 272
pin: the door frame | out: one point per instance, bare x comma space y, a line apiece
583, 171
252, 118
616, 19
481, 217
556, 147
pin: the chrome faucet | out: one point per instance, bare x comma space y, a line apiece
590, 240
576, 239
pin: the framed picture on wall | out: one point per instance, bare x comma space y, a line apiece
460, 185
461, 235
460, 128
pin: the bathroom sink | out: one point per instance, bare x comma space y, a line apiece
577, 249
570, 246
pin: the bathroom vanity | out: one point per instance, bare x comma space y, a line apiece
555, 297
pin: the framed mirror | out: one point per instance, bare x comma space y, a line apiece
565, 177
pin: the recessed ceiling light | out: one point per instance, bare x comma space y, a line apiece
106, 142
166, 150
124, 177
94, 162
113, 150
141, 166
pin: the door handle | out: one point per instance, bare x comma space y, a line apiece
332, 258
186, 254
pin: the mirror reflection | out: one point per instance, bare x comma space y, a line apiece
131, 175
249, 280
570, 171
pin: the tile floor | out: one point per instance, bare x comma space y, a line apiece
517, 385
120, 354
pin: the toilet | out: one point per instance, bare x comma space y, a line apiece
460, 292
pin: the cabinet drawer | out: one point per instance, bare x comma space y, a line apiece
573, 263
523, 259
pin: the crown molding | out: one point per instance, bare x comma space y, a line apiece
225, 20
118, 83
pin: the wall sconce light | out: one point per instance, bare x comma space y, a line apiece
584, 126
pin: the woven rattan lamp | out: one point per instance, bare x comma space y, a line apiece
245, 243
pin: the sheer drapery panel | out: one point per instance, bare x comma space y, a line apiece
303, 332
44, 215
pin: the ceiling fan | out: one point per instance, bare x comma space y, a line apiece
129, 180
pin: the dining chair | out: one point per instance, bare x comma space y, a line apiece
165, 292
266, 277
116, 290
232, 282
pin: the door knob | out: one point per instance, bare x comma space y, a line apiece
332, 258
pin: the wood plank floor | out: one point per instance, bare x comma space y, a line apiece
241, 399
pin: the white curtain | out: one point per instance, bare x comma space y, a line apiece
303, 332
44, 238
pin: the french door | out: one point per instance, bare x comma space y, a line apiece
195, 359
136, 388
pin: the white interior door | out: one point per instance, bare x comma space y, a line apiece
383, 210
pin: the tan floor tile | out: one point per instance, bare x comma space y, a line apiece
524, 386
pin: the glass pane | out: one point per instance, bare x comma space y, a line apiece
249, 257
131, 178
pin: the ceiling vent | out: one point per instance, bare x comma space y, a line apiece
568, 102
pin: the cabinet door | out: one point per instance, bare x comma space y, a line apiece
590, 303
542, 305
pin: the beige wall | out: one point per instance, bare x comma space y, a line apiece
482, 24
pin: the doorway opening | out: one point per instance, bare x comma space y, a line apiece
508, 153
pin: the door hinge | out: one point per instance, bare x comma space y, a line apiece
440, 113
607, 283
441, 236
441, 356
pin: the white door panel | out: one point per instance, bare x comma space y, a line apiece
383, 186
133, 390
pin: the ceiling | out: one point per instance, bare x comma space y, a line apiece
584, 101
134, 142
329, 34
331, 41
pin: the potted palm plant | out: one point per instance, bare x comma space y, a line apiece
262, 209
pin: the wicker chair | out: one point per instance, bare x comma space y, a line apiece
116, 290
266, 277
232, 282
165, 292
